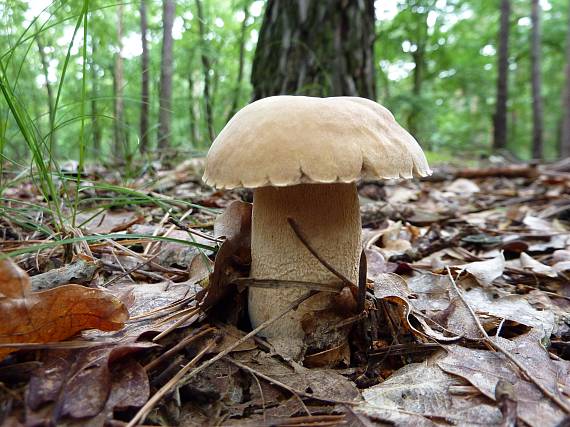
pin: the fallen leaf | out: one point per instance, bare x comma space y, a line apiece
234, 253
88, 384
52, 315
486, 271
108, 221
462, 186
484, 369
419, 394
529, 263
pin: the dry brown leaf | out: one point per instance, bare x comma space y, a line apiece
487, 271
483, 369
53, 315
419, 395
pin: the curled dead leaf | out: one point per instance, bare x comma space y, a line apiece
52, 315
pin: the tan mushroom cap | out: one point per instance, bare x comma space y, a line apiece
288, 140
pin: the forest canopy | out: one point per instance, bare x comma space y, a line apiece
72, 74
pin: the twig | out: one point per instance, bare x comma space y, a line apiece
280, 284
185, 342
184, 227
193, 311
166, 388
285, 386
182, 380
563, 405
299, 233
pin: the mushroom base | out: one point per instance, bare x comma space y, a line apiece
329, 216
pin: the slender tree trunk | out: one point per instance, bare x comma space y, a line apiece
165, 94
119, 143
192, 116
242, 39
95, 128
45, 69
419, 57
315, 47
500, 117
206, 67
537, 109
145, 81
565, 131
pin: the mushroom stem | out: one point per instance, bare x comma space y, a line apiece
328, 215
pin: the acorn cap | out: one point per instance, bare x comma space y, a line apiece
289, 140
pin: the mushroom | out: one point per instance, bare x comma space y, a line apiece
303, 156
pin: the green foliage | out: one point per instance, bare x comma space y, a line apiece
436, 72
457, 100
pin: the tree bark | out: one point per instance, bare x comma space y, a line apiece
537, 108
206, 67
145, 81
165, 93
119, 140
565, 131
242, 38
314, 47
50, 103
500, 117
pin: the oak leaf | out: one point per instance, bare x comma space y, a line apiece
52, 315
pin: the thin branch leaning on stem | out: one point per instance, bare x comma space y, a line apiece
497, 346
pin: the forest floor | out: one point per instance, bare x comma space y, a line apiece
466, 320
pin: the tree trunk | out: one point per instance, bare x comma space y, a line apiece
165, 94
242, 39
537, 109
194, 134
95, 128
119, 141
419, 58
44, 61
145, 81
500, 117
565, 131
206, 67
314, 47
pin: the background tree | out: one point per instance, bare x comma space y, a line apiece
165, 95
320, 48
206, 69
241, 60
537, 108
49, 91
565, 131
500, 117
120, 142
145, 80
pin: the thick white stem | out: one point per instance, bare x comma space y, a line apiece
329, 216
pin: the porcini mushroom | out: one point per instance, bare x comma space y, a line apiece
302, 156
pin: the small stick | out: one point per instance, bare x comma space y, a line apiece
182, 380
301, 236
194, 311
279, 284
285, 386
166, 388
563, 405
186, 341
187, 229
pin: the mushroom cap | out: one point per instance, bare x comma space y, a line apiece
289, 140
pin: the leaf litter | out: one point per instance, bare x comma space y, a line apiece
468, 295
